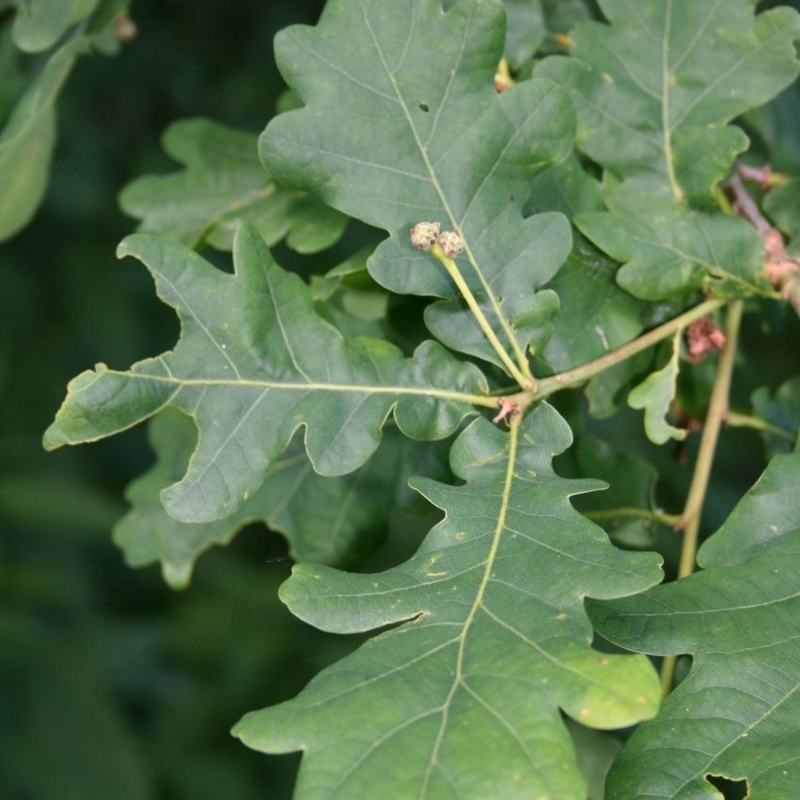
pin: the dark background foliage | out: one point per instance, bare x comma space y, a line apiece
112, 685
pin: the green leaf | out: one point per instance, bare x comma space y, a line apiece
462, 698
39, 24
625, 510
654, 91
669, 251
525, 31
596, 751
766, 512
654, 396
562, 15
782, 411
253, 365
608, 318
737, 714
595, 314
222, 185
337, 521
606, 391
349, 298
402, 124
26, 143
655, 88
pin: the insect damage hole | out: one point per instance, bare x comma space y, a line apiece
731, 789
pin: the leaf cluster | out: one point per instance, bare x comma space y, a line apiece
589, 160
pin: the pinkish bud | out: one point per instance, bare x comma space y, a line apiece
423, 234
450, 243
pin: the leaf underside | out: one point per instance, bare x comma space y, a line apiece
462, 698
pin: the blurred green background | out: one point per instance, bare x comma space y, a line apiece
112, 685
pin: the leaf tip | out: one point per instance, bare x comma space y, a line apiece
53, 437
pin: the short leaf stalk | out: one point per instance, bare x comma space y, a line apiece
444, 247
524, 380
735, 419
632, 512
717, 412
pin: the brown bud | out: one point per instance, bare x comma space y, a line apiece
702, 338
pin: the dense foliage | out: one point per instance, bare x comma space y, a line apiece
469, 324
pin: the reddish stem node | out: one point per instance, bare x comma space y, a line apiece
508, 408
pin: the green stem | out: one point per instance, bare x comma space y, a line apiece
521, 374
717, 410
736, 419
661, 517
577, 376
519, 352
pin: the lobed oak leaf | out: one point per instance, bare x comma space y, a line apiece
402, 124
737, 713
222, 185
461, 697
254, 363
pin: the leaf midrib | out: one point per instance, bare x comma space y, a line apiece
519, 353
427, 391
458, 678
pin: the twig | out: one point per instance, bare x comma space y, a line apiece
717, 411
578, 375
763, 176
782, 270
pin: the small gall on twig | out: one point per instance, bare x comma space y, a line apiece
703, 337
508, 408
424, 234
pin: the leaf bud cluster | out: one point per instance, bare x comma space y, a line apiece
424, 235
